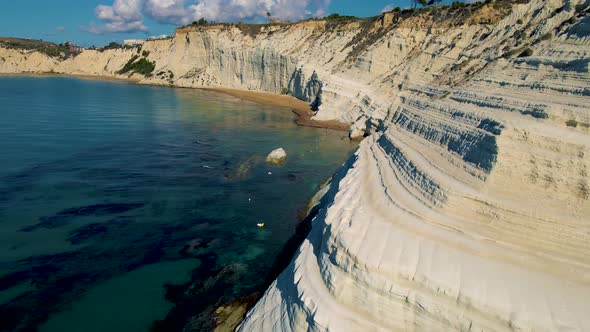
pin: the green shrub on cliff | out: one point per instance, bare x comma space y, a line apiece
526, 53
547, 36
457, 5
535, 113
339, 18
110, 46
142, 66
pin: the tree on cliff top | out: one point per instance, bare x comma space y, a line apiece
424, 3
201, 21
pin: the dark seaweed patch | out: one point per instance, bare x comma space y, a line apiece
208, 282
13, 279
87, 232
61, 278
63, 217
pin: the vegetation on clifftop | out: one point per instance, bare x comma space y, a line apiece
339, 18
458, 13
200, 22
372, 28
62, 51
117, 46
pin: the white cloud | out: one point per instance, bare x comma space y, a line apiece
120, 11
128, 15
168, 11
121, 16
116, 27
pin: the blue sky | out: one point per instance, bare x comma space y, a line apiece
97, 22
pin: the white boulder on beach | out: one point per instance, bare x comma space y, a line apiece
277, 156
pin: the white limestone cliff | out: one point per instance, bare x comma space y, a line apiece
467, 205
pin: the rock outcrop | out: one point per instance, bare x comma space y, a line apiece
277, 156
467, 204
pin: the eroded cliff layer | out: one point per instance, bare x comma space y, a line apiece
467, 205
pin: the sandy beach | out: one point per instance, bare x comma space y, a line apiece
299, 107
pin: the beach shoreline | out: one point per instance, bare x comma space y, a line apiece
301, 108
80, 76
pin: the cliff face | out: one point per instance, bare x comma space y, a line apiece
466, 207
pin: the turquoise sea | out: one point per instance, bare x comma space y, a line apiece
135, 208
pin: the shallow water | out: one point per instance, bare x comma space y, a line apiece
122, 205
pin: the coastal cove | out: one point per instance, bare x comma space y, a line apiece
465, 206
124, 204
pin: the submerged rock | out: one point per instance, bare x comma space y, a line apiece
277, 156
229, 316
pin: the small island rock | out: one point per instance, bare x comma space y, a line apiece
276, 156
